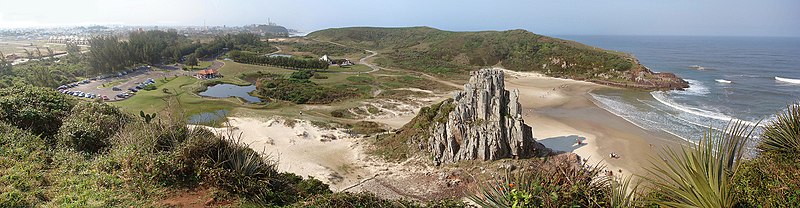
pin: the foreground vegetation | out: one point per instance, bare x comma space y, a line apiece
87, 154
716, 172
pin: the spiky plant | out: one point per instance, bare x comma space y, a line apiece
783, 134
702, 175
624, 193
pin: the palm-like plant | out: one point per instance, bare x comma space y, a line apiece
783, 134
701, 176
624, 193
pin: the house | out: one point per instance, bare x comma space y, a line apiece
340, 62
325, 58
207, 74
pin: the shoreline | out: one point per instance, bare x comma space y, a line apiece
561, 111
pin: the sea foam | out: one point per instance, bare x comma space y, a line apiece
787, 80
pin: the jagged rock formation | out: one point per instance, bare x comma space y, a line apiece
484, 122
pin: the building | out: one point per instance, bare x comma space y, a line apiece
325, 58
69, 39
340, 62
207, 74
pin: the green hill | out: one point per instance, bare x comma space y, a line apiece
447, 53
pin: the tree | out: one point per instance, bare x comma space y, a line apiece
191, 60
49, 52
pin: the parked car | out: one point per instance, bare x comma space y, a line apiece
104, 97
133, 89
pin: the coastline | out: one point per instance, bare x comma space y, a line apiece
561, 111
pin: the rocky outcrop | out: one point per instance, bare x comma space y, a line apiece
484, 122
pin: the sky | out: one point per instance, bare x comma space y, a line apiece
555, 17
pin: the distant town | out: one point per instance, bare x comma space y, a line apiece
19, 44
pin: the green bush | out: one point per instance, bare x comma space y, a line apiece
562, 184
23, 159
302, 74
37, 109
90, 125
150, 87
769, 180
302, 91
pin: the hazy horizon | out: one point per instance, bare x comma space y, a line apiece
626, 17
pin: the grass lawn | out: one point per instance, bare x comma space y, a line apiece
354, 68
202, 64
180, 99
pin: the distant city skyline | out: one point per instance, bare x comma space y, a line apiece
568, 17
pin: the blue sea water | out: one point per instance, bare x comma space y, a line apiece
750, 64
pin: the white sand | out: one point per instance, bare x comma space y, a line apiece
299, 149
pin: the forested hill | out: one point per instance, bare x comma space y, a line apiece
445, 52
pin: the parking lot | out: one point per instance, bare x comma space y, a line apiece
115, 85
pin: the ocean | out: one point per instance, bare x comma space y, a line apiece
731, 78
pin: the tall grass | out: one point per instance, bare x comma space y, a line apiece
700, 176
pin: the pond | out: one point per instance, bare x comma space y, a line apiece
208, 118
229, 90
280, 55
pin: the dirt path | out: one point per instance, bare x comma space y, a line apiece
366, 61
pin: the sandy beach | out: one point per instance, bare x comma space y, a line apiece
561, 112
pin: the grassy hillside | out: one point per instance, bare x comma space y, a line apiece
448, 53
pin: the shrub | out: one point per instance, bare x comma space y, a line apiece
561, 184
302, 74
150, 87
303, 91
37, 109
367, 127
769, 180
24, 156
90, 125
320, 76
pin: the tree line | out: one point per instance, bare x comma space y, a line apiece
110, 54
284, 62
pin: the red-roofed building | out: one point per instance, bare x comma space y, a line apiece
207, 74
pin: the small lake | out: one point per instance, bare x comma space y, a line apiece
281, 55
208, 118
229, 90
